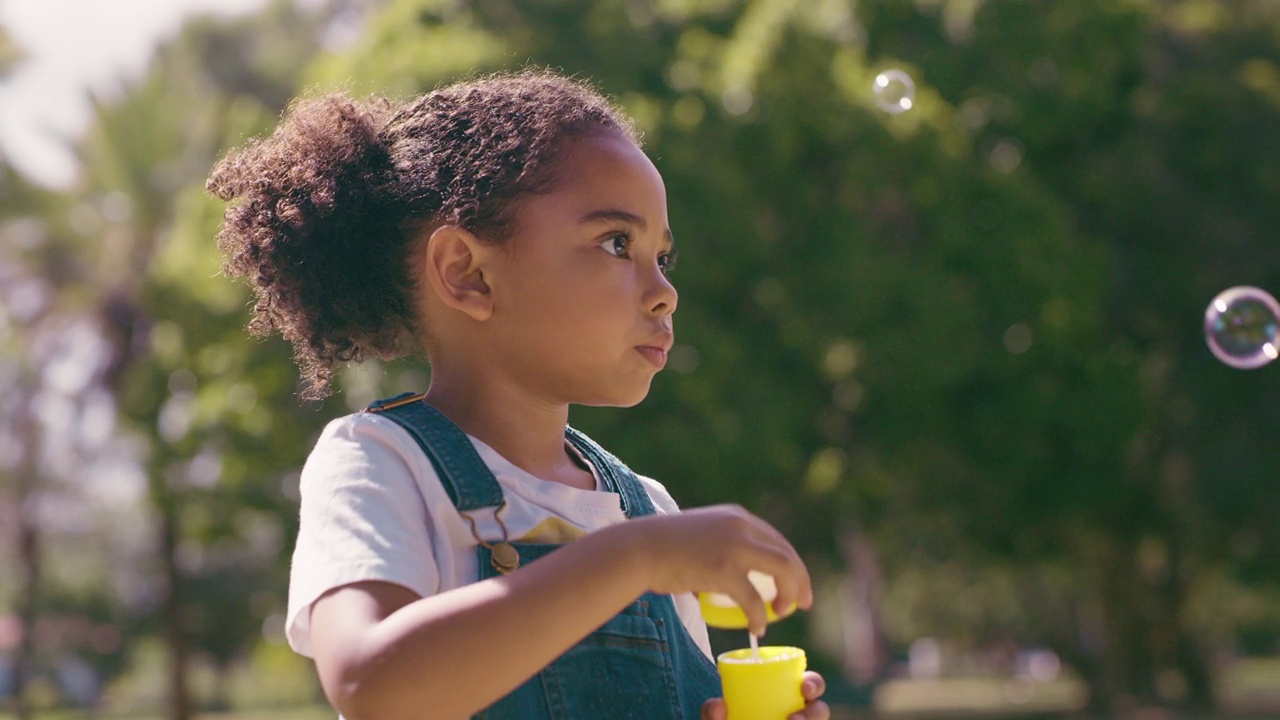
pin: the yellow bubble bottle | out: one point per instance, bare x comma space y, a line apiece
759, 683
762, 683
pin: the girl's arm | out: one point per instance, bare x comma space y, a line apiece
385, 654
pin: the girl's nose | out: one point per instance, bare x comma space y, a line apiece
662, 296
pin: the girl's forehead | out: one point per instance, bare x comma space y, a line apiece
603, 186
611, 168
597, 181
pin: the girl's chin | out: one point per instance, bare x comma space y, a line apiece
618, 400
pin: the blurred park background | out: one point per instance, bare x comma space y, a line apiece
955, 352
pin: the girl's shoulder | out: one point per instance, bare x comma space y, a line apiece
370, 440
353, 450
658, 493
363, 434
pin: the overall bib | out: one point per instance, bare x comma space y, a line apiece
640, 664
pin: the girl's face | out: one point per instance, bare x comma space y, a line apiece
582, 304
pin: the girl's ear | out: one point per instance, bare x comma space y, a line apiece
454, 264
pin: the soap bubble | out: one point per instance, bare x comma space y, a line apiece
895, 91
1241, 325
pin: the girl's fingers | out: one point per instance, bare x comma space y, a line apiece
790, 577
744, 593
787, 564
714, 709
812, 711
813, 686
804, 585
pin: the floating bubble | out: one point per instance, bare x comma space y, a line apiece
1241, 326
895, 91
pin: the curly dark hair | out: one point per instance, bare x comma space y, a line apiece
325, 212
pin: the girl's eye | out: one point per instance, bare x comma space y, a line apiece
617, 245
667, 262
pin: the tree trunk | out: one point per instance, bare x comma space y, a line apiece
28, 545
865, 653
175, 625
28, 589
221, 700
1079, 638
1195, 669
126, 324
1146, 634
1126, 676
1186, 654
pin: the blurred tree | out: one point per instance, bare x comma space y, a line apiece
23, 541
220, 427
1155, 126
971, 331
34, 262
24, 308
51, 428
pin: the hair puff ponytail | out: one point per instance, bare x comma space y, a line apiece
311, 229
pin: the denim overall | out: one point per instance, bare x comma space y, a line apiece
640, 664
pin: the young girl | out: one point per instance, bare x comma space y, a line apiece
512, 228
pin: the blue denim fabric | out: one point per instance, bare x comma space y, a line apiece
640, 664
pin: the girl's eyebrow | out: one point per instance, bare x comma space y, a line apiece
619, 215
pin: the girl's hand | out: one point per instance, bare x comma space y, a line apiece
814, 709
712, 549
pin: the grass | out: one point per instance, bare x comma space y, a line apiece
979, 696
1250, 691
305, 712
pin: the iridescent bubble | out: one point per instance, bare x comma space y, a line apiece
1241, 325
895, 91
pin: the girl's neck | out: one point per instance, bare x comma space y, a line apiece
526, 430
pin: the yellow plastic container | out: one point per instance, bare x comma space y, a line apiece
720, 611
767, 688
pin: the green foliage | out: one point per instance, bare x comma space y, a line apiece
211, 417
970, 331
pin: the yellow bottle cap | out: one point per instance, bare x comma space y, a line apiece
720, 610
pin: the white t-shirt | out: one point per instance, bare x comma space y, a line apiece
373, 508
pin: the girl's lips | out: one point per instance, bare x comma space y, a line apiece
655, 355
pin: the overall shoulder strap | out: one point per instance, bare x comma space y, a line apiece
617, 476
469, 482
